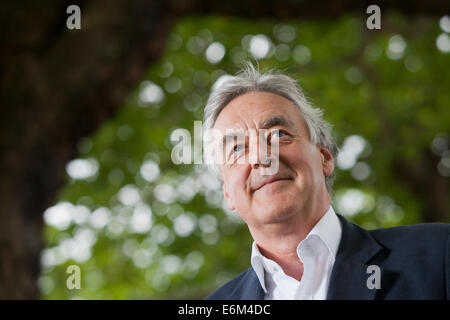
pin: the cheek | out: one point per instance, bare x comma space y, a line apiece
303, 160
237, 181
294, 158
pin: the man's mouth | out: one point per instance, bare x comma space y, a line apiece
271, 180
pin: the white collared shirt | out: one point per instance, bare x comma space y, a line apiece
317, 253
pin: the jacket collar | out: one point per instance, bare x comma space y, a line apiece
350, 271
249, 288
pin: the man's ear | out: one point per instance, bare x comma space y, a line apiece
227, 197
327, 161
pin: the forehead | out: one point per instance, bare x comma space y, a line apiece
252, 109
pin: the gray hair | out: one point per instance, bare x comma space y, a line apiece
250, 79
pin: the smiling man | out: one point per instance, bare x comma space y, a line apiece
275, 156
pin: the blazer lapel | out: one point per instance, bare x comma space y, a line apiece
249, 288
349, 276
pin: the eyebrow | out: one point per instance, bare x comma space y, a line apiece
278, 120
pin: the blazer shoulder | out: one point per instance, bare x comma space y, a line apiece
419, 236
226, 290
442, 229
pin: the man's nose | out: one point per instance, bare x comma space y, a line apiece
259, 155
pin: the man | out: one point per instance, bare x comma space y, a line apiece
302, 249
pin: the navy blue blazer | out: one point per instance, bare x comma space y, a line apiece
414, 262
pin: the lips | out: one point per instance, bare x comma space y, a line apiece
270, 180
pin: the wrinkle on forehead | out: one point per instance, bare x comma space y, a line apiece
240, 114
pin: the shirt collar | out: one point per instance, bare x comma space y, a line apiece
258, 265
328, 228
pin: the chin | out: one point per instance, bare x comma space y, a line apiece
277, 211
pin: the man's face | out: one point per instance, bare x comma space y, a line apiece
260, 198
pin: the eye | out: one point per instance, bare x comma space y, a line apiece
277, 134
237, 148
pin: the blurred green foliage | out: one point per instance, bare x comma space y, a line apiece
141, 227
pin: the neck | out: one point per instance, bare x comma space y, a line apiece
279, 241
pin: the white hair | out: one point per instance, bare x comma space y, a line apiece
250, 79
